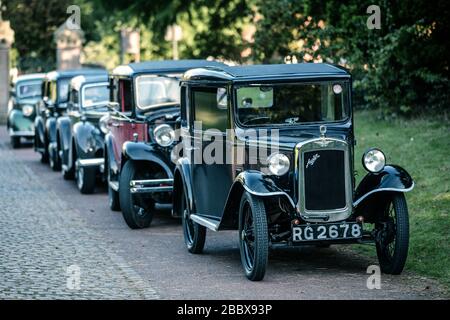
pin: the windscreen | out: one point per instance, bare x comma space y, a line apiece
291, 103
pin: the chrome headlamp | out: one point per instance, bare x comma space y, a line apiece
374, 160
103, 123
27, 110
164, 135
278, 164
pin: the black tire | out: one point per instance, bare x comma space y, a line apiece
38, 143
194, 233
15, 142
392, 239
85, 177
113, 195
137, 210
55, 161
68, 174
253, 236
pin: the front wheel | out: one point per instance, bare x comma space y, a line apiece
55, 161
194, 234
15, 142
85, 179
253, 236
137, 209
392, 237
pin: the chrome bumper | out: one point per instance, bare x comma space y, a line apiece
29, 134
151, 186
94, 162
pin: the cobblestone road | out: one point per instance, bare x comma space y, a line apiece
47, 226
44, 246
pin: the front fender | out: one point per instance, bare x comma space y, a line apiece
373, 191
254, 182
39, 130
18, 122
65, 137
50, 129
110, 157
88, 139
140, 151
183, 179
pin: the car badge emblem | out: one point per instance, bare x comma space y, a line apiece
323, 142
312, 160
323, 130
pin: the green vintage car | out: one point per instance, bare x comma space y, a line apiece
25, 93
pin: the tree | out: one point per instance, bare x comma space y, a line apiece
34, 22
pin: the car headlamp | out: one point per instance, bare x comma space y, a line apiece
278, 164
374, 160
103, 123
27, 110
164, 135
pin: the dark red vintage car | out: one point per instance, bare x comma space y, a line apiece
141, 135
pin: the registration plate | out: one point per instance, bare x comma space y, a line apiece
329, 231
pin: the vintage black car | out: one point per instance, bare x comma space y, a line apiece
288, 179
55, 89
25, 92
80, 135
141, 136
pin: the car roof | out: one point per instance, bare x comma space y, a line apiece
29, 77
54, 75
250, 72
79, 81
164, 66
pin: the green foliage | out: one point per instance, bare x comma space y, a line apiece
402, 68
34, 22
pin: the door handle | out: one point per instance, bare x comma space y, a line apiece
192, 148
116, 124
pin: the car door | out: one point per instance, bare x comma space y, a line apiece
122, 129
211, 172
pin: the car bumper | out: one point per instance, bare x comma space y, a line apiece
151, 186
93, 162
21, 133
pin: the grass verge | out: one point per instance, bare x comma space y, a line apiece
422, 147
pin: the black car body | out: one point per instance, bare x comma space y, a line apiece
25, 92
80, 136
303, 192
138, 147
53, 104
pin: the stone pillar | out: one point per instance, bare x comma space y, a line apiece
6, 39
69, 44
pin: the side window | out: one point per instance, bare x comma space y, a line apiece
113, 90
74, 98
125, 96
183, 107
52, 92
208, 109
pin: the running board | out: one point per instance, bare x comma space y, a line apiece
206, 222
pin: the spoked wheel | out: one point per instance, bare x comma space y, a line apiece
137, 209
253, 236
392, 238
85, 179
113, 195
194, 234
